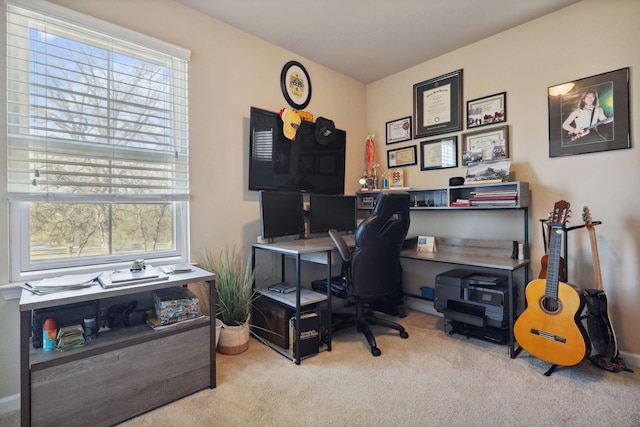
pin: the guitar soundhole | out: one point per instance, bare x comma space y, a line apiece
550, 305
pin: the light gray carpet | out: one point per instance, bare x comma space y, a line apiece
429, 379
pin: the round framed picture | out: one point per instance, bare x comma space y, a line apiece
295, 84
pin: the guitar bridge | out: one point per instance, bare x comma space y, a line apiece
548, 336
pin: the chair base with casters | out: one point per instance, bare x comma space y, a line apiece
363, 319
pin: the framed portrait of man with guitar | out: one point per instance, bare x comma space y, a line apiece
590, 114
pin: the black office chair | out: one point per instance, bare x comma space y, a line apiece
372, 268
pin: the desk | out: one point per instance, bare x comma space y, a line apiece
120, 374
317, 250
491, 262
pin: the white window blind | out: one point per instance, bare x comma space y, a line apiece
91, 117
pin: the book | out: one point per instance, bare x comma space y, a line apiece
176, 269
309, 334
282, 287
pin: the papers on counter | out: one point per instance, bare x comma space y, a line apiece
62, 283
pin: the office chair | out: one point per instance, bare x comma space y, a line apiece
372, 268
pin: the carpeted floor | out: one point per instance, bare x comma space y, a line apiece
432, 378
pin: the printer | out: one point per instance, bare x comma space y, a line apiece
472, 298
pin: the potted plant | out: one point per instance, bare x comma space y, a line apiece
234, 294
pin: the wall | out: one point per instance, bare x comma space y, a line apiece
230, 71
579, 41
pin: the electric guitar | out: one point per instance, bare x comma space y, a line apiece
603, 338
560, 214
550, 328
586, 130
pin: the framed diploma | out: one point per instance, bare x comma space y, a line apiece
399, 130
402, 157
487, 111
439, 154
437, 105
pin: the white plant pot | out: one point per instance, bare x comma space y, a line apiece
234, 339
218, 328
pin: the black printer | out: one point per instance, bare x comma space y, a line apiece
472, 298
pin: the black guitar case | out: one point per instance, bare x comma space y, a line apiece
605, 351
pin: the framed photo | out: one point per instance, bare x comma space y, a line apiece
401, 157
590, 114
296, 85
437, 105
490, 144
489, 110
439, 153
399, 130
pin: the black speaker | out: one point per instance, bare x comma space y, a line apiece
456, 180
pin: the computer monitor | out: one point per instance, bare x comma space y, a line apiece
331, 211
281, 214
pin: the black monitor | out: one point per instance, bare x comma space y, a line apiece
281, 214
279, 164
331, 211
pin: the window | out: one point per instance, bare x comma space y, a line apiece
97, 140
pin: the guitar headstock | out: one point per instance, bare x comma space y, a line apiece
560, 214
586, 215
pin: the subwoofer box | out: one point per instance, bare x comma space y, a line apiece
270, 320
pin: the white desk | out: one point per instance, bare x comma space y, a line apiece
121, 373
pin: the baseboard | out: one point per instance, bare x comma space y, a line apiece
421, 305
10, 403
632, 360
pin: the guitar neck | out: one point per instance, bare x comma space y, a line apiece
596, 258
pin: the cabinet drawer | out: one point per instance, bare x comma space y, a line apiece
116, 385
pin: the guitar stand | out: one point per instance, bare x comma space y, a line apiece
550, 370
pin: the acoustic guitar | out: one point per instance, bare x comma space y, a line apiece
600, 328
550, 328
560, 214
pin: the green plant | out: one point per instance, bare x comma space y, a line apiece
234, 284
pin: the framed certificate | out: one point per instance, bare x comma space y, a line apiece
437, 105
399, 130
487, 111
402, 157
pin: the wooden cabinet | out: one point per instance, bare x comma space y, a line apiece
123, 372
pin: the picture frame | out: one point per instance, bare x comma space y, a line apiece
402, 157
295, 84
573, 130
439, 153
488, 110
484, 145
398, 130
437, 105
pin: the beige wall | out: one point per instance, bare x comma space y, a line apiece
579, 41
231, 71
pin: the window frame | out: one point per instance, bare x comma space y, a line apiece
21, 266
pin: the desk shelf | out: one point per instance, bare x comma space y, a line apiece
439, 199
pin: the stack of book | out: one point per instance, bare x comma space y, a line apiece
460, 202
493, 198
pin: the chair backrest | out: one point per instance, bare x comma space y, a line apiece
375, 260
